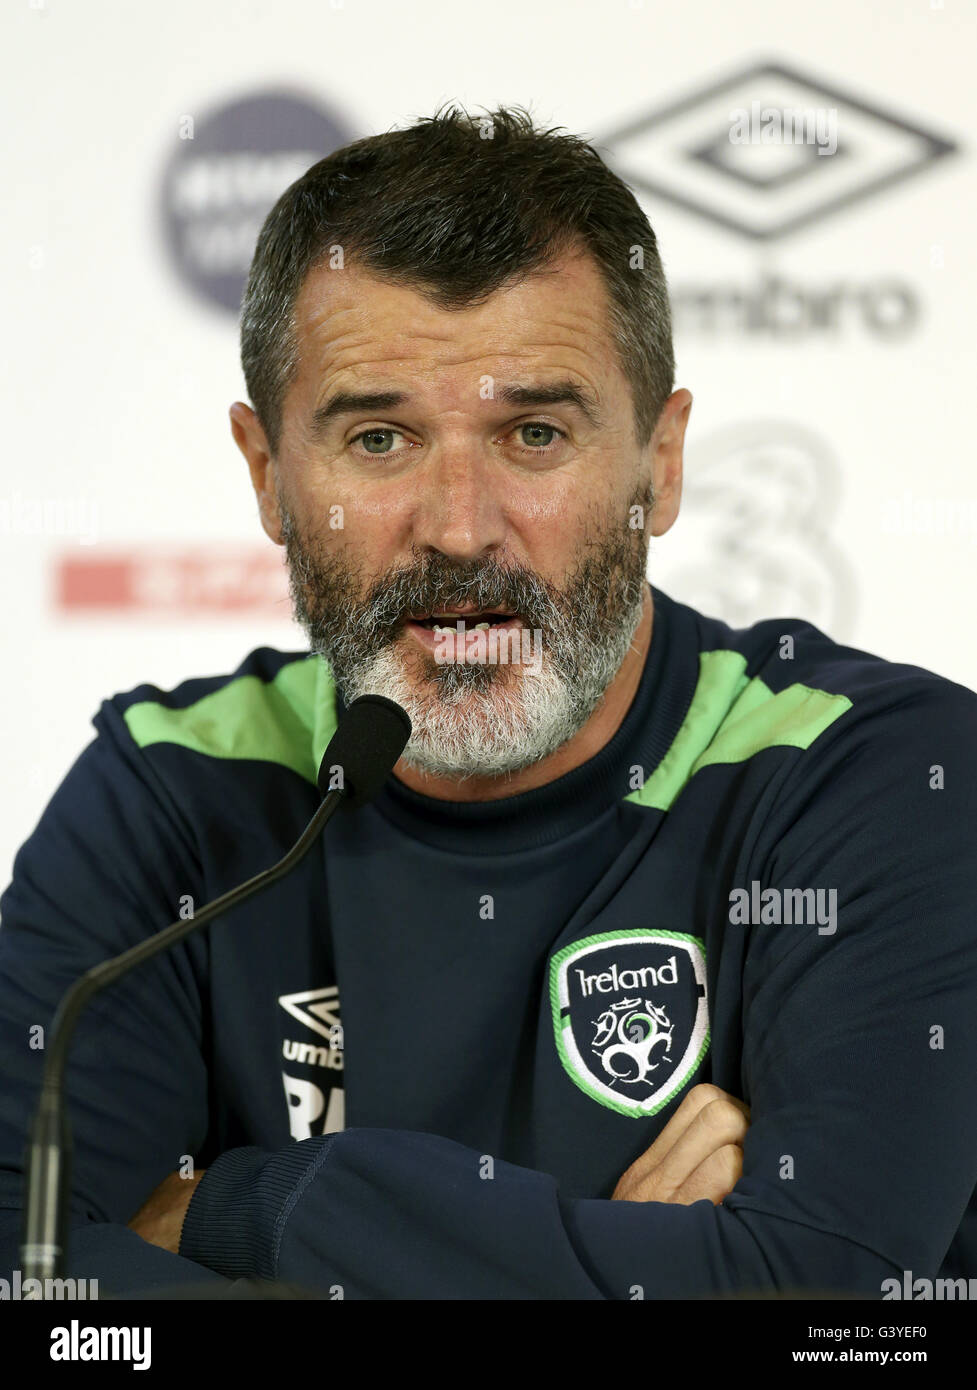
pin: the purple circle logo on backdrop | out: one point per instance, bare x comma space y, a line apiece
228, 170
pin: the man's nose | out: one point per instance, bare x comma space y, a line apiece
459, 509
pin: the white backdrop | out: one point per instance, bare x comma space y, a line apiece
830, 471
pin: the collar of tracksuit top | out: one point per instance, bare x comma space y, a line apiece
549, 813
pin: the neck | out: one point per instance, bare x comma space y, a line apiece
599, 729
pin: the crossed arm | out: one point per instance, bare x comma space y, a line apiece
698, 1156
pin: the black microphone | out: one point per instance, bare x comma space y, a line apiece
371, 737
361, 755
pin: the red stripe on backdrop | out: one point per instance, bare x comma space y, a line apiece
182, 583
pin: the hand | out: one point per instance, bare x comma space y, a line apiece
160, 1218
697, 1155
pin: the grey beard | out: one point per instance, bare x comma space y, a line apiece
474, 719
501, 730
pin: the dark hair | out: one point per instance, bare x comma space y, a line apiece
456, 207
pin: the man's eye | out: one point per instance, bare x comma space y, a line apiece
371, 435
534, 427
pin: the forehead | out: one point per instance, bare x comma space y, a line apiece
351, 318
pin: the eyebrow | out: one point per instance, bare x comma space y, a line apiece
535, 394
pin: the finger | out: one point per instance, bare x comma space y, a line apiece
714, 1126
692, 1104
714, 1179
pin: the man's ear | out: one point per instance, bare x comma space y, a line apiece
251, 440
666, 448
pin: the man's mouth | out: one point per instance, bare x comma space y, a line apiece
453, 631
465, 622
464, 618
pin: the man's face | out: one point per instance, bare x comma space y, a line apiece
464, 497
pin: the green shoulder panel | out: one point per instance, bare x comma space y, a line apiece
288, 720
732, 717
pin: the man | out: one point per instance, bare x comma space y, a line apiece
651, 971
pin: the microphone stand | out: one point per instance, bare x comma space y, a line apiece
43, 1250
365, 747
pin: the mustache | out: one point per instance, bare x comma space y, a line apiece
439, 587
